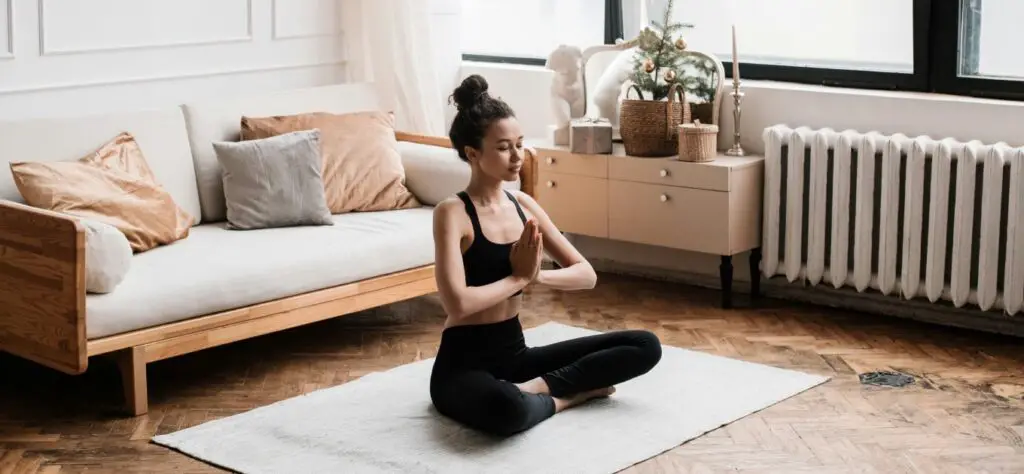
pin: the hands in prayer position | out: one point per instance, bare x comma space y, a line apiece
527, 252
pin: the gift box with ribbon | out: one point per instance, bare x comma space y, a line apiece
590, 136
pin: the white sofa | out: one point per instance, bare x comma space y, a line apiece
217, 285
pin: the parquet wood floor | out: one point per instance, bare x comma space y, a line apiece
964, 414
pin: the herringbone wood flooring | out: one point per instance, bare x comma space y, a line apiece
965, 414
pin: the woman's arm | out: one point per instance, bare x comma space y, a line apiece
458, 299
576, 272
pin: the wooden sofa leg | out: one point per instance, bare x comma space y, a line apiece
132, 362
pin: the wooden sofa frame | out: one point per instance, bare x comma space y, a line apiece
42, 299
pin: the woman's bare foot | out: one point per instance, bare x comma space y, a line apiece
569, 402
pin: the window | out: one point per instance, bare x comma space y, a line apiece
947, 46
862, 43
965, 47
974, 48
805, 33
987, 35
526, 31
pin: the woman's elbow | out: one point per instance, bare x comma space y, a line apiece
452, 305
454, 310
591, 277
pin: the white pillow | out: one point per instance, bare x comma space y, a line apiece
433, 173
108, 256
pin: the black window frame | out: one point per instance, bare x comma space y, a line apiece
937, 43
945, 57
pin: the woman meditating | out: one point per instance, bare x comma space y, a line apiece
488, 247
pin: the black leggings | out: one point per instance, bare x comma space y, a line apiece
477, 367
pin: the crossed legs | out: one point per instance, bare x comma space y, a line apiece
541, 381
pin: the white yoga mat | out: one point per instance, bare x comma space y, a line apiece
384, 422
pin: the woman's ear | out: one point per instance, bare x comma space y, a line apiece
471, 153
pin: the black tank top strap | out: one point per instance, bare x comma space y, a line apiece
471, 210
516, 202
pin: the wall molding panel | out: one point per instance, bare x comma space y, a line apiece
320, 19
7, 52
49, 46
168, 77
79, 57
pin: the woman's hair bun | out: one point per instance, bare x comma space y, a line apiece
470, 92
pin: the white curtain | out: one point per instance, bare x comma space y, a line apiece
388, 43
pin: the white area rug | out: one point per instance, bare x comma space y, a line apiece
384, 422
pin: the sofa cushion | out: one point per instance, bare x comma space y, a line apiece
218, 120
274, 182
217, 269
362, 170
161, 135
108, 256
113, 184
434, 173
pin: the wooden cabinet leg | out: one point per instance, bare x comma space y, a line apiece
132, 362
755, 273
725, 272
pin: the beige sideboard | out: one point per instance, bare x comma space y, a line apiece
712, 207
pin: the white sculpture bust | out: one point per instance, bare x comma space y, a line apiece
568, 97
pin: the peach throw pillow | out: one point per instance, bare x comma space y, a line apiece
113, 185
362, 169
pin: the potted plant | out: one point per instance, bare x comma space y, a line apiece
649, 124
700, 86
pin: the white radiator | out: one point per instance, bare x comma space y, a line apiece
921, 218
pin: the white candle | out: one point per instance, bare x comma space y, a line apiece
735, 57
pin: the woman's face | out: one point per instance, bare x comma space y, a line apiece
501, 154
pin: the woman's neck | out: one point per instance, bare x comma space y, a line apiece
486, 190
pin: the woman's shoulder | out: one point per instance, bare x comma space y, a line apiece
451, 209
524, 199
448, 206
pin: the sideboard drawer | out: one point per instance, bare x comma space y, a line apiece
711, 176
667, 216
570, 163
576, 204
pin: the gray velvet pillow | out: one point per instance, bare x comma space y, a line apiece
274, 182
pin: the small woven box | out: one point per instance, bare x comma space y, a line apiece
698, 142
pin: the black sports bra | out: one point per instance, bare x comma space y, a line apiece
484, 261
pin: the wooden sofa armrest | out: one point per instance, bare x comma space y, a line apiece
42, 287
527, 175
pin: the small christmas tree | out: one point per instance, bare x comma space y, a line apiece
701, 83
660, 57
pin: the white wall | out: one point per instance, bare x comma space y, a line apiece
68, 57
769, 103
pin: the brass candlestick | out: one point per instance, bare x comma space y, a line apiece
737, 99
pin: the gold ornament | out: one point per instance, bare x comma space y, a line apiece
680, 44
649, 65
670, 75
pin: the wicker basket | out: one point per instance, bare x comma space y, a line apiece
650, 127
698, 142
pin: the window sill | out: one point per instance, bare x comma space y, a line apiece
882, 94
773, 102
502, 66
757, 84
